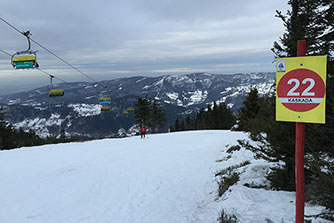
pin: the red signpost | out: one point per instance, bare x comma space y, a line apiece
301, 98
299, 159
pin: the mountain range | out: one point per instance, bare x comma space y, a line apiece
79, 114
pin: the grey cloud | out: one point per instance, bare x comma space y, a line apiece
112, 38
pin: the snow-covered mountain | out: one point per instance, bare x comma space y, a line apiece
167, 178
78, 111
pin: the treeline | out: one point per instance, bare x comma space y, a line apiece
217, 117
11, 138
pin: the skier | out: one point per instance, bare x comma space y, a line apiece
142, 132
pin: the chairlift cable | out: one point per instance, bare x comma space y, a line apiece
26, 34
43, 71
11, 25
64, 61
49, 51
6, 52
51, 75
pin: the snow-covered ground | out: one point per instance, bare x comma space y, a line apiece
167, 178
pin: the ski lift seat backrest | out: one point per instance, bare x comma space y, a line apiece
105, 108
104, 101
56, 93
130, 109
24, 62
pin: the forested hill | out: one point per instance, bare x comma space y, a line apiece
78, 111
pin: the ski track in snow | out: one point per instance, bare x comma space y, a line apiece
167, 178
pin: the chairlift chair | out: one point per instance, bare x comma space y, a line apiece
105, 103
125, 113
130, 109
25, 59
105, 108
55, 92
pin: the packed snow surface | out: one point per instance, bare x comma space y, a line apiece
166, 178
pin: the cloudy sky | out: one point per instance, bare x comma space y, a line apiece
109, 39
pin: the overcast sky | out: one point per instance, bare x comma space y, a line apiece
109, 39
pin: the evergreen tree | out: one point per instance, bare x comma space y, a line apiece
177, 125
62, 134
226, 118
10, 138
276, 142
143, 112
158, 115
7, 136
313, 21
183, 126
310, 20
302, 22
220, 117
189, 123
248, 111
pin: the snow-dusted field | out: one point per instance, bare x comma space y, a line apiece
168, 178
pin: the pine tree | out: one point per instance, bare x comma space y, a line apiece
7, 136
226, 118
220, 117
313, 21
302, 22
214, 117
143, 112
310, 20
276, 141
248, 111
328, 36
158, 115
189, 123
177, 125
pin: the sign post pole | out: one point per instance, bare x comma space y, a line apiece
299, 159
301, 98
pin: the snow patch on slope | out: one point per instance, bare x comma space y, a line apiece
197, 97
39, 125
85, 110
173, 95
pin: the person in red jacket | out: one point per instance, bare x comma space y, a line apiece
142, 132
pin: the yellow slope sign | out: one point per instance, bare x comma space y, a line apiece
301, 89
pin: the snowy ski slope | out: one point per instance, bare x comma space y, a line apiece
167, 178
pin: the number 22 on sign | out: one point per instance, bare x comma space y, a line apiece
301, 89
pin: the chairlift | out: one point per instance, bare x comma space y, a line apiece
125, 113
130, 109
104, 100
105, 108
105, 103
25, 59
55, 92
